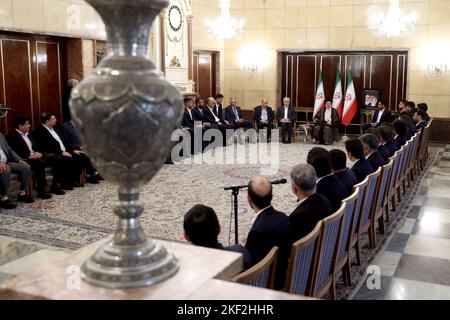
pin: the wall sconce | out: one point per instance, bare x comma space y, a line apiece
251, 68
437, 69
253, 58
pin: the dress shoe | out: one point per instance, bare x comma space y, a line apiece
67, 187
57, 190
93, 180
99, 177
77, 185
25, 198
44, 195
7, 204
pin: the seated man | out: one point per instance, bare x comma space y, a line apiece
410, 126
401, 131
209, 116
312, 206
286, 117
76, 150
23, 145
420, 117
355, 152
263, 116
270, 228
326, 124
50, 143
328, 185
233, 114
201, 228
382, 115
387, 140
424, 107
338, 160
10, 162
370, 148
198, 110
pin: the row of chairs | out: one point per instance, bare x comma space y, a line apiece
316, 259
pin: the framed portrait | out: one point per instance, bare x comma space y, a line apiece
371, 98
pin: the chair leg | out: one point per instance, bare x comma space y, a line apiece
399, 196
386, 210
372, 238
358, 252
381, 225
347, 273
394, 207
333, 287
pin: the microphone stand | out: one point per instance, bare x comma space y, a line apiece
235, 192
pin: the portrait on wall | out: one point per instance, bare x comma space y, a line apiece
371, 98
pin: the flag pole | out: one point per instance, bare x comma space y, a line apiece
345, 137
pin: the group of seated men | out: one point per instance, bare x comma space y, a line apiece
211, 115
25, 154
319, 187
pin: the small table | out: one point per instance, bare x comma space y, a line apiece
366, 117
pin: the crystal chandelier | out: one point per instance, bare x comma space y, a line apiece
225, 27
393, 24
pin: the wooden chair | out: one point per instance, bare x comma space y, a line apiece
377, 208
361, 188
393, 180
302, 263
328, 244
262, 274
364, 219
342, 260
399, 177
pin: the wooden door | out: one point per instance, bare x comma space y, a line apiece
204, 73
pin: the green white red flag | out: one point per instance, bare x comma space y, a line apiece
338, 101
320, 96
351, 104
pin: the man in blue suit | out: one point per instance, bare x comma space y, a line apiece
270, 228
233, 114
370, 147
355, 152
387, 140
338, 160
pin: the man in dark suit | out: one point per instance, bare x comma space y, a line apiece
370, 148
270, 228
312, 206
400, 128
338, 160
355, 152
326, 124
381, 115
50, 142
213, 120
22, 144
263, 116
188, 115
286, 117
387, 140
198, 109
424, 107
420, 120
328, 184
384, 152
218, 109
201, 228
233, 114
10, 162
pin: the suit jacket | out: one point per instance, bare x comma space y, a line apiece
348, 178
334, 117
198, 114
71, 138
306, 216
19, 145
362, 168
333, 189
9, 152
46, 144
229, 114
384, 152
386, 117
401, 140
188, 122
376, 160
291, 114
271, 228
421, 125
219, 111
208, 116
392, 146
257, 112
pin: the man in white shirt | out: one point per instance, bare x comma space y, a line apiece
20, 141
10, 162
286, 118
50, 143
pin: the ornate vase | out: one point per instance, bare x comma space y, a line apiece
125, 113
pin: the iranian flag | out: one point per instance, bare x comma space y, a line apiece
351, 105
338, 102
320, 96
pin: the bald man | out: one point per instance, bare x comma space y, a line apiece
233, 114
263, 116
270, 227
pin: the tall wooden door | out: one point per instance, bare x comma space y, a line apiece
30, 78
205, 73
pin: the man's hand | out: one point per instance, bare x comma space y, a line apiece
3, 167
66, 154
227, 123
36, 155
265, 121
78, 152
329, 123
22, 162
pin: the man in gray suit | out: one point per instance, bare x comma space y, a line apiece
10, 162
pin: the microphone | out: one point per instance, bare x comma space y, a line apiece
280, 181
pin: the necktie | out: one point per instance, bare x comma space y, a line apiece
215, 110
236, 114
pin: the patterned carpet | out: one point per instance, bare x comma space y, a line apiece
85, 215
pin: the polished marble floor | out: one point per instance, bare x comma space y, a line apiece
416, 261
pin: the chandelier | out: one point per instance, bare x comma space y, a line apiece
225, 27
394, 23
